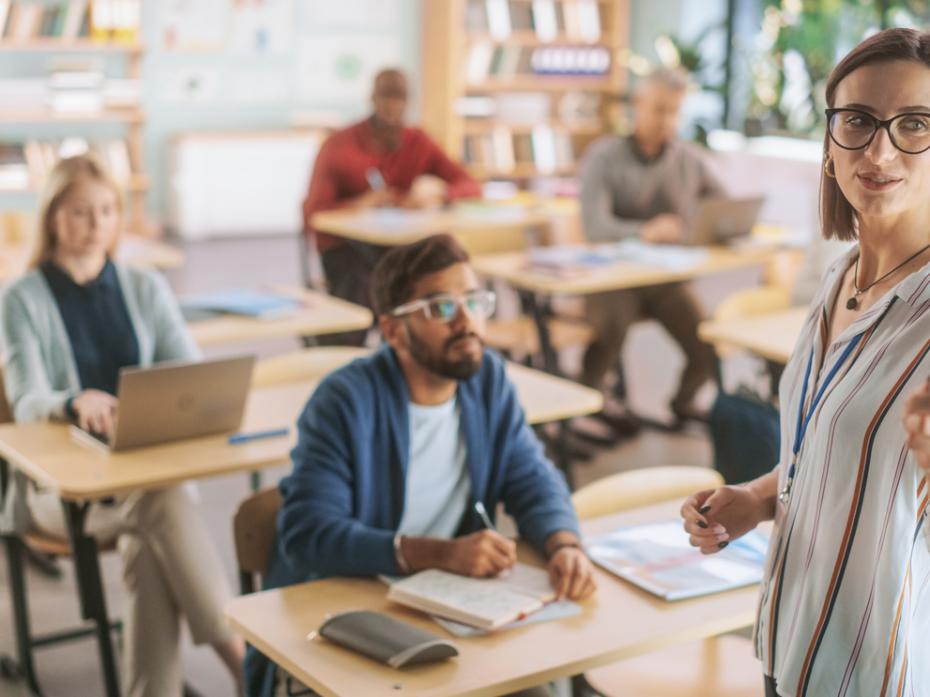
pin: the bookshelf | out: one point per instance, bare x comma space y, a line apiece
76, 35
517, 89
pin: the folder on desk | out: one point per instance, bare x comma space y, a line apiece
248, 303
658, 558
483, 603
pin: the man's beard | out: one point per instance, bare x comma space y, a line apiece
455, 370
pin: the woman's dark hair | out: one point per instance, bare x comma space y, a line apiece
398, 271
837, 216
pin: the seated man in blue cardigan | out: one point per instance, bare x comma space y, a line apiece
395, 450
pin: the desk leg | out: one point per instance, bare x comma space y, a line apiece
537, 308
90, 589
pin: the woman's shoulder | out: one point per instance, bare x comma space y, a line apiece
30, 284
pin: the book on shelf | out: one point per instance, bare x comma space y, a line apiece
102, 20
483, 603
544, 148
486, 60
498, 13
576, 20
14, 171
589, 20
545, 20
658, 558
40, 156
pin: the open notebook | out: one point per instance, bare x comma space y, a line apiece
658, 558
483, 603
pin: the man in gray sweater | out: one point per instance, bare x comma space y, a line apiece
647, 186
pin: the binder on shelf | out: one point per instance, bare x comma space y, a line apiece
75, 20
498, 18
589, 21
545, 21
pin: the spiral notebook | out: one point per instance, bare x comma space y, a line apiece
482, 603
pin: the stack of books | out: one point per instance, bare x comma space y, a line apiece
486, 60
546, 148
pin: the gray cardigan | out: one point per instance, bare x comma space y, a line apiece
39, 371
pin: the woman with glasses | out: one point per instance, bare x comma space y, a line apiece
845, 604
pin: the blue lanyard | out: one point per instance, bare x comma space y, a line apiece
803, 421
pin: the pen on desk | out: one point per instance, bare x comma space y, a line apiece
483, 514
237, 438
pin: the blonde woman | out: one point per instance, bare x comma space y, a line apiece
66, 328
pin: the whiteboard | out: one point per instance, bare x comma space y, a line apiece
240, 183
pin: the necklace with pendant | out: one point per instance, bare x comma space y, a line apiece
853, 302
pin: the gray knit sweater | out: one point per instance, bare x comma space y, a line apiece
620, 189
39, 371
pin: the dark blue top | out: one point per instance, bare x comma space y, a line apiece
97, 321
344, 499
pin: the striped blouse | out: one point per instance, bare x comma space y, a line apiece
845, 607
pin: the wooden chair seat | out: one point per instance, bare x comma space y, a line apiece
719, 667
519, 335
57, 546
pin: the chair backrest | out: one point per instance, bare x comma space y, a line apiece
254, 532
641, 487
6, 414
307, 364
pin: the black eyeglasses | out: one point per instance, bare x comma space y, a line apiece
852, 129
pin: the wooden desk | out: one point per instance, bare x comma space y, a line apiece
320, 314
620, 622
545, 398
79, 473
391, 227
47, 454
513, 267
771, 336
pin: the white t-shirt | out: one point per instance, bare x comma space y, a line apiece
437, 486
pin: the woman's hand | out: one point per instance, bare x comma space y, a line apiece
96, 411
917, 426
713, 517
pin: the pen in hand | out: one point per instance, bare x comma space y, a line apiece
483, 514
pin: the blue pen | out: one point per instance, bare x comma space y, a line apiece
237, 438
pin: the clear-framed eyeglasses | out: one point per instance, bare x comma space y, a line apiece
445, 307
852, 129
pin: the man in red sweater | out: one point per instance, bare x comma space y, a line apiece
372, 164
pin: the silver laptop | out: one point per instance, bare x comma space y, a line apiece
723, 220
176, 400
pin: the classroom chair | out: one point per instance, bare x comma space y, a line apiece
722, 666
23, 667
518, 336
254, 533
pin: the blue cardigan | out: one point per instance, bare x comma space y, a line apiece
344, 499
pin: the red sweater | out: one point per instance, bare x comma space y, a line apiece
339, 171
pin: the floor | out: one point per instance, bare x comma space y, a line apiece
652, 365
